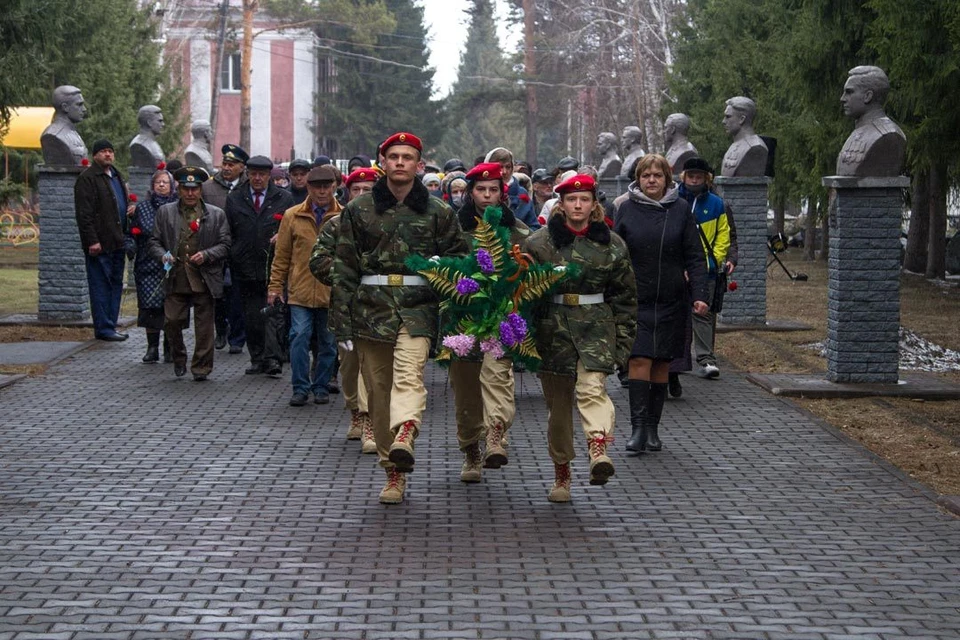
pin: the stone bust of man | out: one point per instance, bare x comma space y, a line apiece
197, 153
877, 145
747, 156
60, 142
679, 149
145, 151
632, 151
610, 163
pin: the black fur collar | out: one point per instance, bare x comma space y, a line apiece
418, 199
562, 236
468, 216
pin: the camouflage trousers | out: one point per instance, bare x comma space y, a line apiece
394, 374
353, 388
483, 396
589, 391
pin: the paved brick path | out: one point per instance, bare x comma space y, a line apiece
134, 505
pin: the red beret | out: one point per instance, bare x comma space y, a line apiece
484, 171
401, 138
579, 182
363, 174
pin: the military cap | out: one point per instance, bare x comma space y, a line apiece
578, 182
401, 138
234, 153
568, 163
541, 175
363, 174
299, 164
484, 171
697, 164
260, 162
323, 173
191, 176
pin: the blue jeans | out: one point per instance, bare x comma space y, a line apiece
105, 281
304, 321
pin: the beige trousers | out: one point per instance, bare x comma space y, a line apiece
353, 387
397, 392
597, 414
483, 394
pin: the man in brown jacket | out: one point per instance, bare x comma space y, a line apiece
309, 300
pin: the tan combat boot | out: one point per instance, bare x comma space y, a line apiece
368, 442
496, 455
401, 451
601, 466
472, 463
560, 491
356, 426
392, 492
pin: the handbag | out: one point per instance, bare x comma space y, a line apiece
720, 283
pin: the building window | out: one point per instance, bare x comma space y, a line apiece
230, 73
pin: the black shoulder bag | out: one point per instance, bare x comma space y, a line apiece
720, 284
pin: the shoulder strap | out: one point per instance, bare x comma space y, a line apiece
706, 242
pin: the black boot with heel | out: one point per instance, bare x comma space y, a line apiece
153, 348
658, 394
639, 414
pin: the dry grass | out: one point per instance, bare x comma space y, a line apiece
922, 438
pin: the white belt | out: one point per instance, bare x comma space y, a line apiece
394, 280
577, 299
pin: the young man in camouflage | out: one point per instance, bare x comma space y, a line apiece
390, 312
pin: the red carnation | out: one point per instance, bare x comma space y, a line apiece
524, 197
84, 163
161, 166
136, 231
278, 217
195, 226
732, 286
133, 197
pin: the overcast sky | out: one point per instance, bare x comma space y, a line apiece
447, 32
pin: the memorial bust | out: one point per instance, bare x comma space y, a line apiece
679, 149
877, 145
60, 142
747, 156
632, 151
197, 153
145, 151
610, 163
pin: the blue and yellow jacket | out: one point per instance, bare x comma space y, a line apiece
709, 210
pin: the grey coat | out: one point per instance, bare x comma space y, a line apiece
214, 241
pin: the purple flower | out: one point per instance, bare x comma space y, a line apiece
461, 344
518, 324
466, 286
493, 347
507, 335
485, 260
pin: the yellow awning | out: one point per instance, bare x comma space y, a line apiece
26, 125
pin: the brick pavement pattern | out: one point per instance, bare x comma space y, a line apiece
137, 505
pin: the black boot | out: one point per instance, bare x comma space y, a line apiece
674, 386
153, 348
658, 393
167, 353
639, 414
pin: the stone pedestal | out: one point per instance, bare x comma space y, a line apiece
613, 187
863, 321
62, 271
747, 198
138, 181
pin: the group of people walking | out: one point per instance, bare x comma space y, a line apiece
240, 247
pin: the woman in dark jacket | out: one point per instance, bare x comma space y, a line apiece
148, 272
661, 234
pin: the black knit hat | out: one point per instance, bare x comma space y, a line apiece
697, 164
102, 144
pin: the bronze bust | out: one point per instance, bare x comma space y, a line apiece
610, 163
630, 140
877, 145
60, 142
679, 149
197, 153
747, 156
145, 151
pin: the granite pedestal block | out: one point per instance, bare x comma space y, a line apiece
747, 198
62, 276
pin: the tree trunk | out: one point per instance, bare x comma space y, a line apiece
824, 237
530, 72
246, 68
918, 235
810, 230
937, 244
218, 68
778, 210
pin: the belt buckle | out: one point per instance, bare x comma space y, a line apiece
395, 280
571, 299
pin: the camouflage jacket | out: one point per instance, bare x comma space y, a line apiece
321, 259
600, 335
376, 235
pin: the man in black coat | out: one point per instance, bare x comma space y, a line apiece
100, 202
254, 211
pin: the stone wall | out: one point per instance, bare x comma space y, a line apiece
747, 198
863, 318
62, 271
